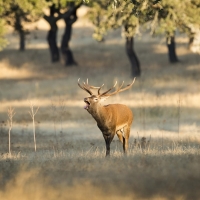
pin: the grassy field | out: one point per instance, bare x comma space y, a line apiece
70, 160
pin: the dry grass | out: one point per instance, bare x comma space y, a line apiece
77, 171
69, 162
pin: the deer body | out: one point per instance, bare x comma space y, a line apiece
111, 119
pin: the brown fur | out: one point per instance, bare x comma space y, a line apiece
111, 119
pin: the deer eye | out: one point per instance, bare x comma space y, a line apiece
95, 99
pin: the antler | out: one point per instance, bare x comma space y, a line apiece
88, 87
107, 90
120, 89
100, 89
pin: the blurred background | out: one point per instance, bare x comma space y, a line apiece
46, 46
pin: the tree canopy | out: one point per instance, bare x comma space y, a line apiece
163, 16
16, 13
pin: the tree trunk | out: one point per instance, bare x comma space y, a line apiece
20, 30
191, 41
22, 40
65, 49
171, 45
135, 64
52, 33
51, 38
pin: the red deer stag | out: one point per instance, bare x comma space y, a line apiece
112, 118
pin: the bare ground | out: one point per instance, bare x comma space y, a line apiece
70, 162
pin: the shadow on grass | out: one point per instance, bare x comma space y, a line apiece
89, 53
138, 176
157, 115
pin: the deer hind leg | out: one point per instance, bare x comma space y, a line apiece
120, 135
126, 138
108, 139
123, 138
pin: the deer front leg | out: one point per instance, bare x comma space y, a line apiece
108, 139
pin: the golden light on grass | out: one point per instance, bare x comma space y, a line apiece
164, 166
9, 72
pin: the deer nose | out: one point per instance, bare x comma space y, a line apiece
85, 99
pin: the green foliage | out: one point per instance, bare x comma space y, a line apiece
27, 10
164, 16
3, 41
170, 15
16, 13
65, 3
106, 15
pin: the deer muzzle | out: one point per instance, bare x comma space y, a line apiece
87, 103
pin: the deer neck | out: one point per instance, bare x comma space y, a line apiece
98, 113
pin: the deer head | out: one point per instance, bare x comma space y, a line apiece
95, 100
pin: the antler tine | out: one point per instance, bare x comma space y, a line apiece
115, 84
100, 89
121, 85
89, 86
109, 89
84, 87
116, 91
120, 89
80, 84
